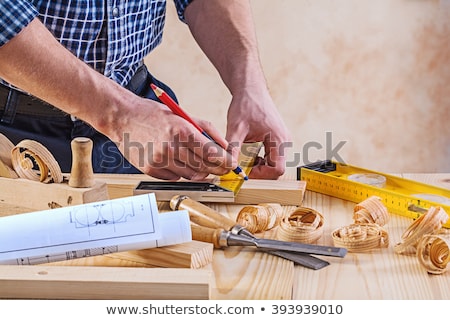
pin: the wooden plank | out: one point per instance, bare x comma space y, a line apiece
193, 255
56, 282
245, 274
41, 196
253, 191
284, 192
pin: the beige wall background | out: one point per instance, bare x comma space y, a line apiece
372, 76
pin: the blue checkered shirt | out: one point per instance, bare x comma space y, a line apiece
112, 36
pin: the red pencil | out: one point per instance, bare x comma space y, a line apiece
176, 109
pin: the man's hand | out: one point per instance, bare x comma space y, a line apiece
166, 146
225, 32
252, 117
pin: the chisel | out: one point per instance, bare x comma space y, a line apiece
218, 238
203, 215
222, 239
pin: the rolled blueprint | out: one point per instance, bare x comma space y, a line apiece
97, 228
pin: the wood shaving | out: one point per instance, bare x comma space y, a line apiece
360, 237
29, 154
371, 210
428, 223
366, 232
433, 252
303, 225
261, 217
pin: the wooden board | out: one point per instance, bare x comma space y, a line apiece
41, 196
193, 255
253, 191
56, 282
284, 192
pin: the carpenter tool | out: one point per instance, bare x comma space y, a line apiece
200, 191
401, 196
205, 216
223, 189
222, 239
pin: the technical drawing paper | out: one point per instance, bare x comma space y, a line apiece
129, 223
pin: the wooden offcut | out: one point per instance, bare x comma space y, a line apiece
56, 282
253, 191
284, 192
192, 255
41, 196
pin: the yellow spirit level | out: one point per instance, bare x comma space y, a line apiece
401, 196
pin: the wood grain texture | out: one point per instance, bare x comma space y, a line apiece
238, 273
191, 255
379, 274
245, 273
284, 192
41, 196
55, 282
253, 191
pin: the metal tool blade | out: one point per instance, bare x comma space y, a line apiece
301, 259
269, 244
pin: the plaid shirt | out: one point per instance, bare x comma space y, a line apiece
112, 36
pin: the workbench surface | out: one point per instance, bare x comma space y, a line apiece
243, 273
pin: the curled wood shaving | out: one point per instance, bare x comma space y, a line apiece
29, 154
5, 150
428, 223
371, 210
261, 217
433, 252
6, 168
303, 225
361, 237
366, 232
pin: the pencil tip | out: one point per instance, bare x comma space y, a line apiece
243, 175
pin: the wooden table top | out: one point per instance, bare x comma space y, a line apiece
244, 273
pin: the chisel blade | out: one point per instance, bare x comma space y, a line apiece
269, 244
301, 259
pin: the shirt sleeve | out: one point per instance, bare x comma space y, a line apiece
181, 6
14, 16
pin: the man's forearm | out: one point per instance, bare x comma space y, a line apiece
225, 32
35, 62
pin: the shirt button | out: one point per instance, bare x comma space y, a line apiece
115, 12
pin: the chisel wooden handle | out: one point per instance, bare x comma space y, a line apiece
214, 236
201, 214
